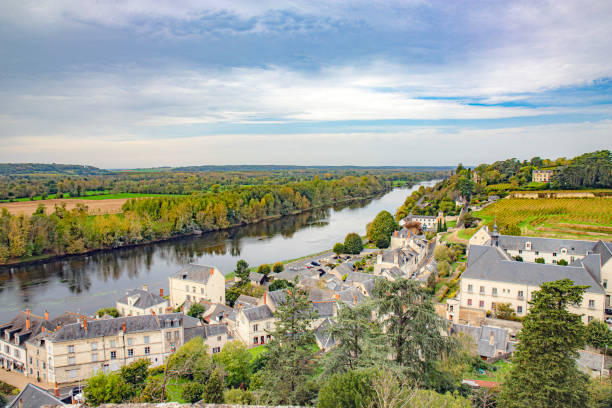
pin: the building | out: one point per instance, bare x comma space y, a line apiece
32, 396
551, 251
542, 176
428, 222
138, 302
196, 283
215, 336
254, 324
492, 276
476, 177
490, 341
77, 351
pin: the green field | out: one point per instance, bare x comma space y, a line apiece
500, 369
576, 218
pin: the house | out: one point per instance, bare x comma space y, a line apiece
428, 222
551, 251
258, 279
341, 271
350, 297
215, 336
32, 396
77, 351
492, 276
254, 324
490, 341
542, 176
140, 302
245, 301
196, 283
324, 339
405, 259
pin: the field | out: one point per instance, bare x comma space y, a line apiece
575, 218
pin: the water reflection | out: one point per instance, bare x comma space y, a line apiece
86, 283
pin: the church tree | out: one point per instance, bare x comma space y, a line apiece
544, 371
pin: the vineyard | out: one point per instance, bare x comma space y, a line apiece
578, 218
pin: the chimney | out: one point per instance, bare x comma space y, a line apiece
46, 315
123, 327
28, 312
42, 329
152, 312
145, 287
28, 322
491, 338
85, 323
265, 298
161, 292
212, 271
58, 327
337, 296
56, 391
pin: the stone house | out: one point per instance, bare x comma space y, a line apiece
253, 325
138, 302
196, 283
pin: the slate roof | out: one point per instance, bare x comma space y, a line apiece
258, 313
288, 275
343, 269
133, 324
491, 263
393, 272
219, 312
351, 296
215, 330
194, 272
277, 297
245, 301
482, 337
324, 338
32, 396
17, 326
604, 249
358, 277
325, 309
144, 298
316, 294
257, 277
574, 247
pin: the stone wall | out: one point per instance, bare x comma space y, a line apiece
177, 405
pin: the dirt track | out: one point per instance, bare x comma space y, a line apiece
95, 206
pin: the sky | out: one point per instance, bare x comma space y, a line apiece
146, 83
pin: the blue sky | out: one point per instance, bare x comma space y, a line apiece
153, 83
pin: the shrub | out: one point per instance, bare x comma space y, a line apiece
562, 262
192, 392
238, 396
111, 311
264, 269
380, 230
353, 243
278, 267
338, 248
196, 310
352, 389
540, 260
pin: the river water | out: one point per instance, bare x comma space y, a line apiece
86, 283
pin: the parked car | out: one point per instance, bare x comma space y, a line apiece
609, 320
608, 311
315, 263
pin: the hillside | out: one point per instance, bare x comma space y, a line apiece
23, 169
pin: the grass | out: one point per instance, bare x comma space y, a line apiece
466, 233
502, 368
256, 351
451, 224
575, 218
174, 389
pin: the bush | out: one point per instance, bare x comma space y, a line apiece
562, 262
278, 267
540, 260
443, 269
353, 243
196, 310
192, 392
264, 269
107, 388
279, 284
239, 397
352, 389
338, 248
153, 390
111, 311
213, 390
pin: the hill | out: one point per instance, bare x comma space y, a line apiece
24, 169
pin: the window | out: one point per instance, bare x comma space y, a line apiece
72, 373
113, 343
71, 360
554, 254
169, 335
469, 302
520, 294
218, 338
482, 290
17, 354
589, 319
146, 339
605, 284
194, 289
44, 365
481, 303
186, 288
30, 360
470, 288
537, 252
130, 352
94, 357
94, 346
147, 350
202, 291
255, 327
591, 304
519, 309
130, 341
520, 251
7, 349
255, 340
71, 349
267, 325
113, 355
188, 297
176, 335
216, 350
494, 292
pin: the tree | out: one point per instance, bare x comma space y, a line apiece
152, 391
413, 327
504, 311
540, 260
544, 371
465, 186
280, 284
598, 334
264, 269
289, 363
192, 392
380, 229
136, 373
191, 361
338, 248
107, 388
235, 359
111, 311
351, 389
353, 243
196, 310
213, 390
359, 339
242, 270
278, 267
562, 262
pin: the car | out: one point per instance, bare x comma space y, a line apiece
315, 263
608, 311
308, 266
609, 320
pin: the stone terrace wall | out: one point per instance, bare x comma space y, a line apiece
177, 405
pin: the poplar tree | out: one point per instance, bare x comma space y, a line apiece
544, 371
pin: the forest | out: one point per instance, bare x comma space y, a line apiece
151, 219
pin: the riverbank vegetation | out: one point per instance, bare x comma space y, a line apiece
150, 219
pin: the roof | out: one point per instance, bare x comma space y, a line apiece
351, 296
196, 273
358, 277
604, 249
110, 327
324, 338
142, 298
482, 338
245, 301
277, 297
548, 245
219, 312
325, 309
257, 277
343, 269
491, 263
32, 396
258, 313
18, 326
215, 330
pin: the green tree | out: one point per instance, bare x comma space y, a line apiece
540, 260
413, 328
353, 243
242, 270
351, 389
239, 397
504, 311
289, 363
598, 334
196, 310
192, 392
264, 269
107, 388
465, 186
136, 373
278, 267
213, 390
562, 262
359, 339
544, 371
280, 284
235, 359
111, 311
192, 361
338, 248
152, 391
380, 229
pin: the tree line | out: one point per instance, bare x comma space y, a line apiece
150, 219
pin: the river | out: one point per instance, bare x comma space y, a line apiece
86, 283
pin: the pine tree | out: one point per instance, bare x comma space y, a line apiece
291, 351
213, 390
544, 371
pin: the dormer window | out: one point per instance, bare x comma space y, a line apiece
564, 250
528, 246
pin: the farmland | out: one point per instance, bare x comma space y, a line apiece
576, 218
